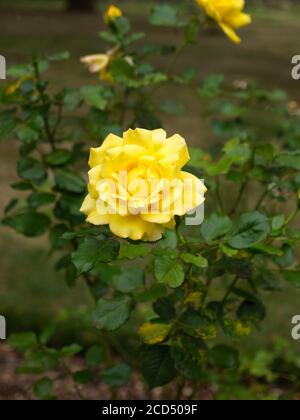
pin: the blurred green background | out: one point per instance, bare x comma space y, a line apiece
31, 292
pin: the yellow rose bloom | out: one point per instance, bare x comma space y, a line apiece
98, 63
137, 186
112, 13
228, 14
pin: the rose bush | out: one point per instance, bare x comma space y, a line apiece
171, 302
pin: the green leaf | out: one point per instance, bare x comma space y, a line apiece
156, 291
95, 96
289, 160
268, 249
111, 314
237, 151
29, 224
154, 333
133, 251
196, 324
220, 168
39, 199
59, 157
61, 56
172, 108
116, 376
94, 356
129, 279
72, 99
278, 222
43, 389
196, 260
215, 227
71, 350
8, 123
55, 236
224, 357
292, 277
164, 15
92, 251
41, 361
168, 271
164, 307
157, 365
212, 86
187, 359
252, 229
23, 341
169, 240
47, 333
252, 311
83, 377
122, 26
121, 70
69, 181
186, 77
28, 135
30, 169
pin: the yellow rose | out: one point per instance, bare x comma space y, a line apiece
136, 184
11, 89
98, 63
112, 13
228, 14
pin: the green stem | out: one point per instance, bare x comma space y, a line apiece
239, 197
206, 291
231, 287
219, 197
292, 216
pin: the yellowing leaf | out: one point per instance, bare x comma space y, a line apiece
154, 333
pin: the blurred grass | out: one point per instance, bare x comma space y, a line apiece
31, 292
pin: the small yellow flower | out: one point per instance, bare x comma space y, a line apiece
11, 89
228, 14
98, 63
137, 186
112, 13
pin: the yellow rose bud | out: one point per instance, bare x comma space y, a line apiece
228, 14
112, 13
137, 186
